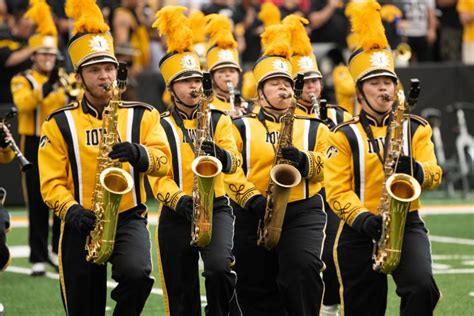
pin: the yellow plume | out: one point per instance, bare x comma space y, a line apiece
219, 29
300, 42
276, 40
197, 22
87, 16
367, 24
40, 13
269, 14
171, 21
389, 12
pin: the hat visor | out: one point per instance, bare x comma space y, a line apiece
187, 75
226, 65
311, 75
98, 60
46, 50
276, 75
378, 74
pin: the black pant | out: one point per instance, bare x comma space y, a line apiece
38, 212
287, 279
331, 283
365, 291
179, 263
83, 284
4, 226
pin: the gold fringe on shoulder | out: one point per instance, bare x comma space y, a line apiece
172, 23
367, 24
269, 14
87, 16
219, 29
197, 22
277, 41
300, 42
40, 13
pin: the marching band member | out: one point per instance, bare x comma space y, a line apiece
344, 89
223, 64
178, 260
6, 155
354, 178
71, 150
286, 279
36, 95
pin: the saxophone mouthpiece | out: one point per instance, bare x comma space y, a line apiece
106, 87
284, 95
194, 93
387, 97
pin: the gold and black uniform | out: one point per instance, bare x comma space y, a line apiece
335, 114
33, 109
68, 153
271, 282
354, 178
178, 261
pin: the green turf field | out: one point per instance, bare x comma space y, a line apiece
453, 262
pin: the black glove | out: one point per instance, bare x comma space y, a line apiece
4, 219
184, 207
403, 166
81, 219
48, 85
257, 205
3, 135
125, 151
368, 224
298, 158
212, 149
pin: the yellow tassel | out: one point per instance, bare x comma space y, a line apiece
197, 21
300, 42
87, 16
269, 14
40, 13
171, 21
389, 12
367, 24
219, 29
276, 40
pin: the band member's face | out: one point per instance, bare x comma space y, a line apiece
311, 86
223, 75
278, 92
183, 89
379, 92
96, 77
44, 62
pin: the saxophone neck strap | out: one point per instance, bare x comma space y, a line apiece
261, 118
370, 135
179, 121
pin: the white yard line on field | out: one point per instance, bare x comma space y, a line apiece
452, 240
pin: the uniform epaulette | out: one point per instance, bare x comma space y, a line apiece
132, 104
353, 120
70, 106
165, 114
218, 110
417, 118
302, 117
337, 107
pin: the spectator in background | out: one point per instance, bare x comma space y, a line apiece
248, 11
418, 26
14, 53
328, 22
466, 15
288, 7
450, 31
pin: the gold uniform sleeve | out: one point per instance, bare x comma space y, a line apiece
56, 188
156, 144
225, 139
6, 154
316, 157
237, 187
424, 153
339, 179
24, 97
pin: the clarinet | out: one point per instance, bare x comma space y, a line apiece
25, 165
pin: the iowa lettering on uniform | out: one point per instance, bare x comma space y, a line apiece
377, 146
192, 135
272, 137
93, 136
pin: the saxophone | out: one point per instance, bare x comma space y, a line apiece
398, 191
235, 111
205, 169
283, 177
315, 104
111, 182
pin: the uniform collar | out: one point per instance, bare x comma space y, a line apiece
373, 121
269, 116
89, 109
305, 109
222, 98
185, 116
